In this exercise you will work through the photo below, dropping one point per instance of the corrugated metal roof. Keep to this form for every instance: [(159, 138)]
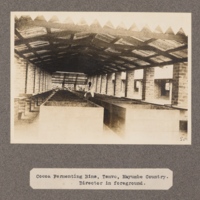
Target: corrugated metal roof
[(92, 49)]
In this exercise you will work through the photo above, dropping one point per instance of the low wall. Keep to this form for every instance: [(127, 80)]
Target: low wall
[(76, 118), (127, 117)]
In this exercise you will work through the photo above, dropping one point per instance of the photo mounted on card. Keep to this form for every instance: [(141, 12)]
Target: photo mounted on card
[(101, 78)]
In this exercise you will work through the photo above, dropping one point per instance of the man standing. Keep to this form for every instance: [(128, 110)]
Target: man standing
[(89, 91)]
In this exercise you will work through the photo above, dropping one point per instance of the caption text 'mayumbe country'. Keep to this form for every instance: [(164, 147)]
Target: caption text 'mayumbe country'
[(89, 176)]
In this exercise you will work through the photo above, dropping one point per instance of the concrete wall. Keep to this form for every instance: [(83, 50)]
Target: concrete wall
[(149, 84), (103, 84), (19, 76), (130, 86), (16, 109), (81, 121), (98, 83), (137, 93), (118, 84), (29, 79), (130, 83), (94, 82), (180, 85), (148, 88), (109, 88), (183, 85)]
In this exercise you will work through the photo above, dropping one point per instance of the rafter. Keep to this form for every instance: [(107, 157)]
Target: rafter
[(92, 49)]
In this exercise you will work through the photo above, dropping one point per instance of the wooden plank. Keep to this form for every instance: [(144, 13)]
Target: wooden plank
[(28, 45)]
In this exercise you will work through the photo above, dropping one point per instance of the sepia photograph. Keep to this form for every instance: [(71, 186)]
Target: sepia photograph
[(101, 78)]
